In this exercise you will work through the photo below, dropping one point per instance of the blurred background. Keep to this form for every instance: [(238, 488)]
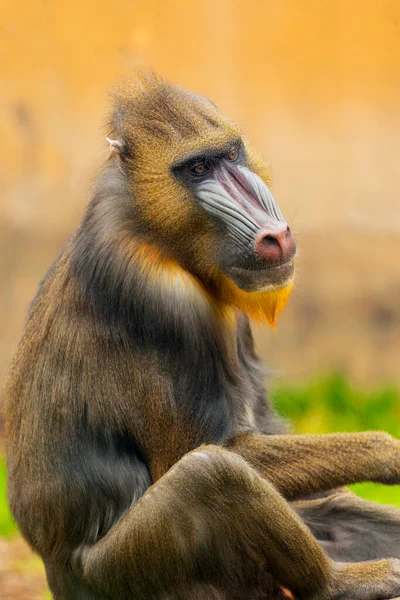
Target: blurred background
[(315, 84)]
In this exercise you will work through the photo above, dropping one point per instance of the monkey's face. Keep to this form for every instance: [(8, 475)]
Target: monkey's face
[(202, 194), (255, 246)]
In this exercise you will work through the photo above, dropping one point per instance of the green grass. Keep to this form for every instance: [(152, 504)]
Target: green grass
[(331, 404), (7, 525), (320, 406)]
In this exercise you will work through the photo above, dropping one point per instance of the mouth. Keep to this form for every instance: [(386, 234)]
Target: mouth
[(263, 277), (265, 269)]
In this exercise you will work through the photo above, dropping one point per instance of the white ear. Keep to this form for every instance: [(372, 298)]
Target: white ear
[(117, 152), (116, 147)]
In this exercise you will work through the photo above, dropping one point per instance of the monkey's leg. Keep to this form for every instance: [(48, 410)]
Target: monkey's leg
[(351, 529), (300, 465), (212, 519)]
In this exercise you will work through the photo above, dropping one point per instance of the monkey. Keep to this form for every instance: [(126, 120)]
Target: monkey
[(145, 460)]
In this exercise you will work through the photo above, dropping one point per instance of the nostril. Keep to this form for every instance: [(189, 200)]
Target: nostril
[(270, 240), (269, 247), (288, 236), (277, 239), (275, 244), (289, 239)]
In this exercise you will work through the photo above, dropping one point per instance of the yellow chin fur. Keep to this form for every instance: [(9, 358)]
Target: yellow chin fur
[(261, 306)]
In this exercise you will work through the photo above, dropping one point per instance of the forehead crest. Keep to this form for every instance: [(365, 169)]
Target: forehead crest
[(151, 108)]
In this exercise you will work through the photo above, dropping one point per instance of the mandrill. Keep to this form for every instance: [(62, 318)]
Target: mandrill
[(145, 462)]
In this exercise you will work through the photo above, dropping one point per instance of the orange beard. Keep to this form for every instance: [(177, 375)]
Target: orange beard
[(261, 306)]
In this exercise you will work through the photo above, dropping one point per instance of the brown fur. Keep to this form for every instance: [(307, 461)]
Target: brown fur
[(144, 459)]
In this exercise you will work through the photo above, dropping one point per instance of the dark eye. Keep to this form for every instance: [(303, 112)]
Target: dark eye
[(233, 154), (199, 169)]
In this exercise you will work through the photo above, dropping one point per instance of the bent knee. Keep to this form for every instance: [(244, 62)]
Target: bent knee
[(210, 465)]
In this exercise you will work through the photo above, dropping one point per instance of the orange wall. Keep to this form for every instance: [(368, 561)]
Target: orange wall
[(315, 83)]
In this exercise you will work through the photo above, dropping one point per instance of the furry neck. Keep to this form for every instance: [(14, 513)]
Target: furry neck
[(136, 286)]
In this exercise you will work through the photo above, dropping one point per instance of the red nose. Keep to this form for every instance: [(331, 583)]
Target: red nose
[(275, 243)]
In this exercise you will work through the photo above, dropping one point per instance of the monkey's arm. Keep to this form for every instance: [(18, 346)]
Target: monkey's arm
[(299, 465), (212, 504)]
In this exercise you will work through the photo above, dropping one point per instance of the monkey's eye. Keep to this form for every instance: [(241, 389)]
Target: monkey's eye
[(233, 154), (199, 169)]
